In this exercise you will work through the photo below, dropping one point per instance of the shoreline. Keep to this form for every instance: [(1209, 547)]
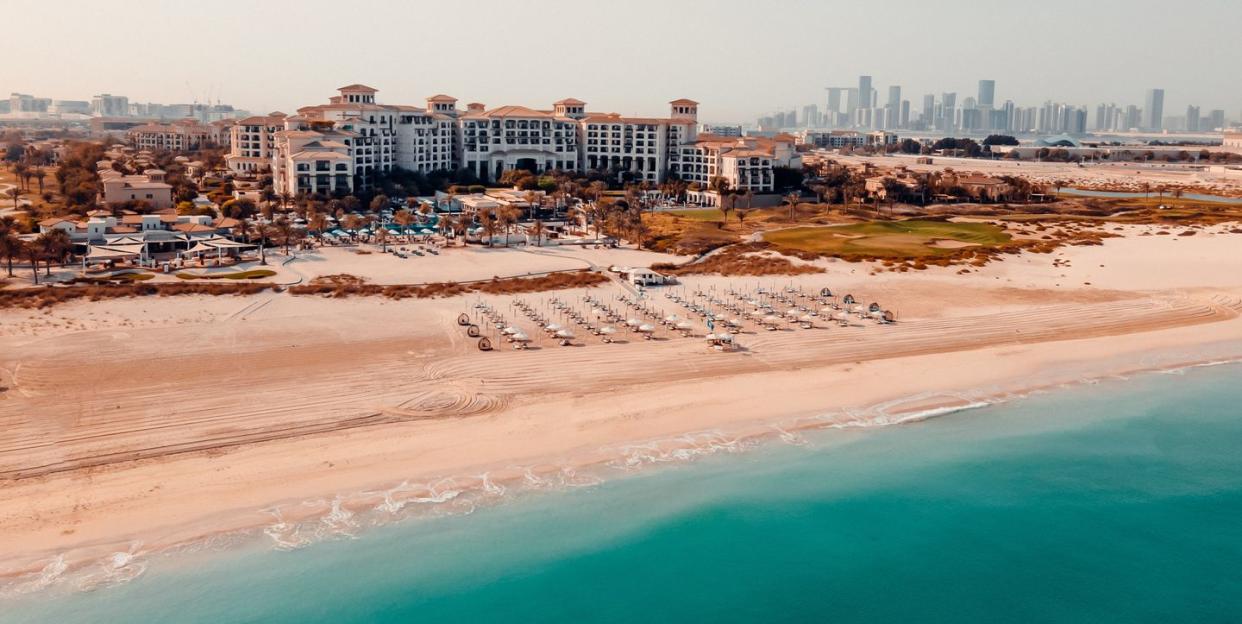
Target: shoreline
[(131, 428), (298, 522)]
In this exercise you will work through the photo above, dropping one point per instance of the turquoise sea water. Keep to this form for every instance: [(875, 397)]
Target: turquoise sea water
[(1116, 502)]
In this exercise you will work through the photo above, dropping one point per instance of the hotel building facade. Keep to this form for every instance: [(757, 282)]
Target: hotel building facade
[(342, 146)]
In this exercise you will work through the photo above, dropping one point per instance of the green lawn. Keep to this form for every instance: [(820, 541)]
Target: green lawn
[(697, 214), (888, 239)]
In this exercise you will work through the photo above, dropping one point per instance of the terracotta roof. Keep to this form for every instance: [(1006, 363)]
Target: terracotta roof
[(316, 155), (684, 102), (53, 221), (193, 227), (512, 111), (441, 98), (571, 102), (358, 87)]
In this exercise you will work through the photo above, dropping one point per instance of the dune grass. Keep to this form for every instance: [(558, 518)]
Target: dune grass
[(239, 275), (888, 239), (116, 278)]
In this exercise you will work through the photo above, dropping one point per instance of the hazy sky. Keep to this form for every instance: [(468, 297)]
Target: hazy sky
[(739, 58)]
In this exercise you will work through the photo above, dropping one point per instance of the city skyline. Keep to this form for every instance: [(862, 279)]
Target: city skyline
[(491, 61)]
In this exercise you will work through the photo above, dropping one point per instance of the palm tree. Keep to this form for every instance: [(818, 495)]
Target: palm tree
[(793, 198), (508, 217), (53, 245), (10, 244), (317, 222), (13, 193), (488, 220), (32, 253), (262, 231), (537, 228), (404, 218), (381, 235), (720, 186), (532, 202), (285, 230), (351, 222), (21, 173)]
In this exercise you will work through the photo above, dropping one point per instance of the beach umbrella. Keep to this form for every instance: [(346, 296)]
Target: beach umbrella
[(564, 333), (553, 327), (684, 325), (672, 318), (520, 337), (709, 337), (510, 330), (806, 318), (608, 330), (842, 316), (771, 320), (646, 328), (633, 322)]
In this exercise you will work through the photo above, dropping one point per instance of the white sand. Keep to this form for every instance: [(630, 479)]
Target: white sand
[(167, 419)]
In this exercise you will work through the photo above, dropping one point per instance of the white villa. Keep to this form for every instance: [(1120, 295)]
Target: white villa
[(339, 146)]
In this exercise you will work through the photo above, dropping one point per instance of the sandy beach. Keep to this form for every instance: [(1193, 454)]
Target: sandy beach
[(151, 422)]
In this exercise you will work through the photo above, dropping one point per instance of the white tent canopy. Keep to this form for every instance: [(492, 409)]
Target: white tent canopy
[(114, 252)]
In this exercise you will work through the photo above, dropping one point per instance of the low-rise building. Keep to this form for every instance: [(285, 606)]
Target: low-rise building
[(148, 187), (837, 139), (180, 136)]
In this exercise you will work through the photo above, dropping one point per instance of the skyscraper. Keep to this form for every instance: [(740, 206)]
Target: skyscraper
[(1192, 118), (929, 111), (834, 99), (987, 93), (1214, 120), (948, 113), (894, 96), (864, 92), (1153, 111)]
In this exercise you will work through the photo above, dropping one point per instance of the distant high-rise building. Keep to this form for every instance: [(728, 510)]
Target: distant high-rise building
[(1153, 110), (23, 103), (851, 101), (107, 105), (1215, 120), (987, 93), (864, 92), (1192, 118), (948, 112), (894, 96), (810, 116), (903, 119), (834, 99)]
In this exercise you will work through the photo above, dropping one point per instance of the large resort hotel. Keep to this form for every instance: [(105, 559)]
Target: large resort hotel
[(335, 147)]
